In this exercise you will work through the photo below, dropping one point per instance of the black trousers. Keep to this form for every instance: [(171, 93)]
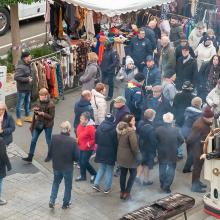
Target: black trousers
[(125, 185)]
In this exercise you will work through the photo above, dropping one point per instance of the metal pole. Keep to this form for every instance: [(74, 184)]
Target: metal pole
[(185, 216)]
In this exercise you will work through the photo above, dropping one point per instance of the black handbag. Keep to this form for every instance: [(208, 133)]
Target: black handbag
[(39, 125)]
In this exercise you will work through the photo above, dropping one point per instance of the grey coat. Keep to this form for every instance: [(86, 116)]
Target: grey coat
[(88, 78)]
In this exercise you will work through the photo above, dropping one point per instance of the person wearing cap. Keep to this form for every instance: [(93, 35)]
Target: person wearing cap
[(183, 43), (191, 114), (205, 51), (213, 99), (157, 102), (140, 48), (126, 73), (63, 153), (186, 68), (176, 30), (23, 78), (208, 76), (200, 130), (106, 153), (152, 73), (169, 88), (134, 95), (44, 113), (210, 33), (168, 139), (196, 35), (167, 57)]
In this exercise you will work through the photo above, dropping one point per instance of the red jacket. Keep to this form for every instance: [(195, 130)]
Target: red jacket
[(86, 137)]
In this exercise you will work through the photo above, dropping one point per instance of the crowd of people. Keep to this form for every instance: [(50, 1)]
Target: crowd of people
[(169, 95)]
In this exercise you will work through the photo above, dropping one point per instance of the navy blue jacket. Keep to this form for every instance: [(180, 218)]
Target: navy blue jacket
[(109, 62), (150, 34), (81, 106), (152, 75), (140, 49), (8, 127), (107, 143), (134, 99), (120, 113)]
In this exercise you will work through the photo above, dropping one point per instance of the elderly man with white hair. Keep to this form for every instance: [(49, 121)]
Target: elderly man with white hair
[(168, 138), (63, 153)]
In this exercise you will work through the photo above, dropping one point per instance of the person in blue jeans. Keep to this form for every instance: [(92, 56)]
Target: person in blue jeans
[(23, 78), (168, 139), (63, 153), (44, 113), (106, 153)]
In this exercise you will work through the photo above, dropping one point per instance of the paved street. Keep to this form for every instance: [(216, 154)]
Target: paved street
[(32, 32), (27, 188)]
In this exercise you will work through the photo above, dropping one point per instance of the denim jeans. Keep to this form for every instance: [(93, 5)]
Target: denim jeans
[(1, 180), (68, 179), (107, 170), (109, 80), (35, 135), (126, 187), (84, 163), (23, 98), (167, 173)]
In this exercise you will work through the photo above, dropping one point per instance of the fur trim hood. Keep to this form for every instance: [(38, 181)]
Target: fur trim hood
[(123, 128)]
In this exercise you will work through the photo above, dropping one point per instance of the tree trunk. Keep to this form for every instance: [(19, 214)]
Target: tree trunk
[(15, 33)]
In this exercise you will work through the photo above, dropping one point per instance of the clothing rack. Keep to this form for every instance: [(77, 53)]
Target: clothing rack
[(48, 55)]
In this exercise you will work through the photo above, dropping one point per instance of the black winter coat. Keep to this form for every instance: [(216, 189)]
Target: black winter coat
[(22, 72), (151, 36), (181, 101), (82, 106), (4, 160), (107, 143), (179, 54), (169, 138), (63, 151), (147, 138), (8, 127), (186, 72)]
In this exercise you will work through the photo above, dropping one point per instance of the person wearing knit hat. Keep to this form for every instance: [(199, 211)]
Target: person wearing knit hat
[(134, 95), (106, 140), (200, 130), (191, 114), (125, 74)]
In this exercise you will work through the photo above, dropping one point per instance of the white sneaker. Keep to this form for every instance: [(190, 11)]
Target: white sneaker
[(3, 202)]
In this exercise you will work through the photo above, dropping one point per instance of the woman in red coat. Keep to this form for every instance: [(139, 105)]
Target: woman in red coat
[(86, 142)]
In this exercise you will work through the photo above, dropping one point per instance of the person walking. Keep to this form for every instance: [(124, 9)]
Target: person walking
[(4, 163), (7, 124), (23, 78), (86, 141), (63, 153), (98, 103), (106, 153), (89, 76), (147, 144), (168, 139), (127, 154), (43, 119), (200, 130)]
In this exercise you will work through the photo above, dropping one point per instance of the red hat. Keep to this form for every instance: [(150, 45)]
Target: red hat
[(207, 112)]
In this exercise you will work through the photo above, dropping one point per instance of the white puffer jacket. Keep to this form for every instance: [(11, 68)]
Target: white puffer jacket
[(213, 99), (99, 106)]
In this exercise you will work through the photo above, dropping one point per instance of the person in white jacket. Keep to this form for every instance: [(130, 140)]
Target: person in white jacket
[(205, 51), (213, 99), (98, 103)]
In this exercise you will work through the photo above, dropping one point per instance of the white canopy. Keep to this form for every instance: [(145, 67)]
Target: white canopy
[(117, 7)]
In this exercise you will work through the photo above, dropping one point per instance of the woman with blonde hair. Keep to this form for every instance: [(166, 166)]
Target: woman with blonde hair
[(88, 79)]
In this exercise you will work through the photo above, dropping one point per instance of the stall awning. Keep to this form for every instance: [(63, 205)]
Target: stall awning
[(117, 7)]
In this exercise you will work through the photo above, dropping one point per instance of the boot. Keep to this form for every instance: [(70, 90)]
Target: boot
[(202, 185), (29, 158), (28, 119), (127, 196), (19, 122)]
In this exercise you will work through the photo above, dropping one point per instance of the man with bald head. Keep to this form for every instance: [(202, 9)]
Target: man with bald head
[(167, 57)]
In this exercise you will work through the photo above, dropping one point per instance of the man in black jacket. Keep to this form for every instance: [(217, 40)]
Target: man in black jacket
[(63, 153), (23, 77)]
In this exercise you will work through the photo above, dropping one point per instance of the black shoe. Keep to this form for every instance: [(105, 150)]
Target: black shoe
[(148, 183), (47, 159), (198, 189), (97, 188), (187, 171), (202, 185), (66, 206), (108, 98), (28, 159), (79, 179), (107, 191), (51, 205), (92, 178)]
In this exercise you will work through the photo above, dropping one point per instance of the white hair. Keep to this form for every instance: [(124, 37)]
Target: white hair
[(65, 127), (168, 117)]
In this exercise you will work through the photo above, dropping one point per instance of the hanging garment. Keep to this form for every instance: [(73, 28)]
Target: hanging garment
[(34, 92), (52, 21), (54, 86), (41, 75), (59, 79), (102, 39), (60, 27), (89, 25), (120, 47)]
